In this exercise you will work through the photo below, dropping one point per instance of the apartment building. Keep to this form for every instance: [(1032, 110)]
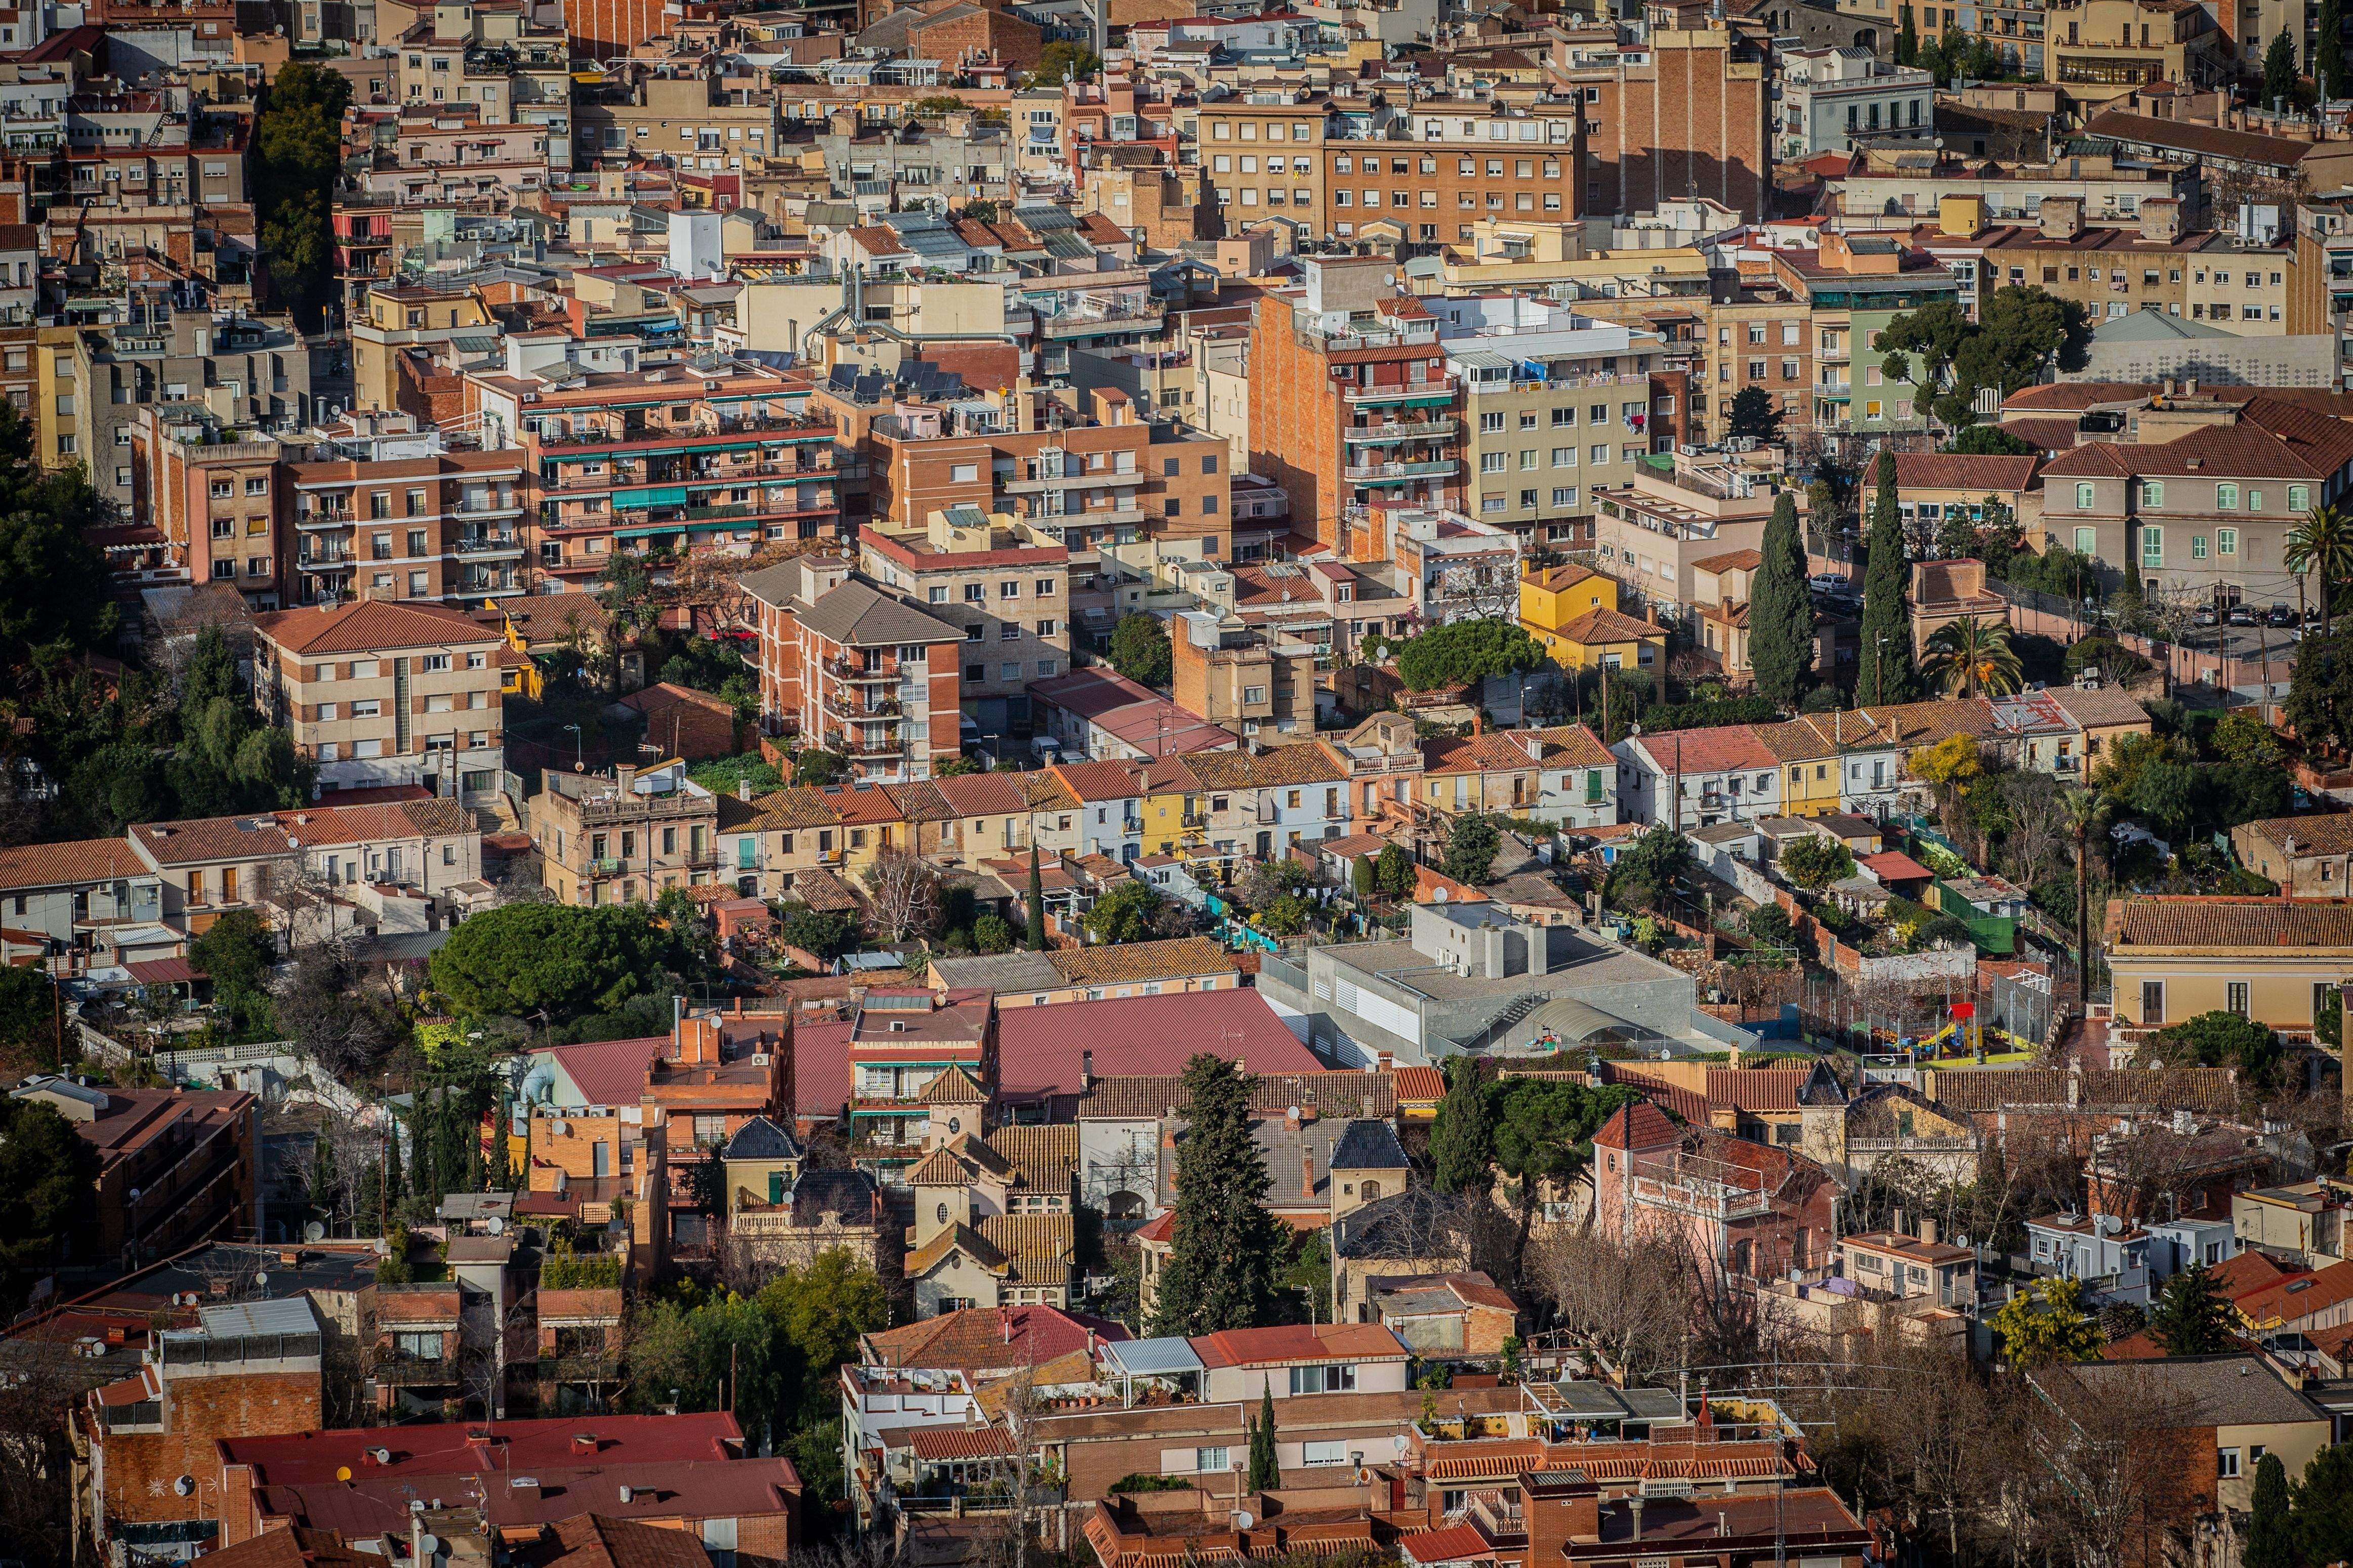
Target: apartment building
[(2102, 50), (377, 692), (1242, 677), (396, 512), (1557, 410), (96, 383), (625, 837), (858, 671), (395, 317), (705, 117), (1344, 359), (1852, 288), (1652, 536), (1833, 98), (1006, 583), (680, 458), (1689, 115), (2196, 500), (211, 488), (2218, 278)]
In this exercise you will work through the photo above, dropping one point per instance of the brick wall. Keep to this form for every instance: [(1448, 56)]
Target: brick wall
[(139, 1468)]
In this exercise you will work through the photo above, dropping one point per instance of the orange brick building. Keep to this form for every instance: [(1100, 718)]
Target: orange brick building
[(1692, 118), (1350, 402)]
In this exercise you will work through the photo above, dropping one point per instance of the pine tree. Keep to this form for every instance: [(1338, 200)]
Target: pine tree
[(2279, 72), (2192, 1317), (1265, 1473), (1229, 1248), (1883, 663), (1461, 1143), (1781, 611), (1037, 904), (2271, 1538)]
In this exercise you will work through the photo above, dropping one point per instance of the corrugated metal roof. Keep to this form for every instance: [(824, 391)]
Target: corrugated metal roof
[(292, 1316)]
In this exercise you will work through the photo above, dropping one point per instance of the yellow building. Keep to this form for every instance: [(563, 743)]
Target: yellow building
[(2276, 962), (1572, 614), (1811, 771), (397, 318), (1552, 597)]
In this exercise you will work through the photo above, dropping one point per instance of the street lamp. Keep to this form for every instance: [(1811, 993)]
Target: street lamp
[(579, 758)]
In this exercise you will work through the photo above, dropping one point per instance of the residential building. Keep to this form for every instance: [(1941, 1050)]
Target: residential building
[(860, 671), (2221, 1409), (2221, 279), (1853, 287), (1563, 775), (1241, 678), (904, 1055), (1004, 582), (2197, 501), (1653, 537), (211, 488), (1833, 98), (1735, 1207), (243, 1367), (1688, 114), (395, 319), (1340, 357), (79, 905), (1906, 1265), (379, 692), (1097, 713), (2278, 962), (2306, 857), (2102, 50), (626, 838), (1698, 778), (395, 513), (176, 1168), (706, 1086), (1556, 411)]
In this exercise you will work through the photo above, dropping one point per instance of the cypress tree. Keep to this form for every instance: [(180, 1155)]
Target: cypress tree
[(1461, 1141), (1037, 903), (1883, 663), (1908, 41), (1229, 1248), (2271, 1539), (1781, 612), (2279, 70), (1265, 1473), (2328, 52)]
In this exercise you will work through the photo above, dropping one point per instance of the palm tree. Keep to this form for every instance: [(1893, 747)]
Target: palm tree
[(2322, 544), (2083, 811), (1970, 658)]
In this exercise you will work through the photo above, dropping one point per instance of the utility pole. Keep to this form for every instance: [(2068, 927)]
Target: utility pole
[(1679, 782)]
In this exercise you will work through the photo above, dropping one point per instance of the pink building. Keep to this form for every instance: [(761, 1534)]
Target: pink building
[(1741, 1208)]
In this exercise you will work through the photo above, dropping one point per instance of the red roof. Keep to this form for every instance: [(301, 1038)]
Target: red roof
[(2299, 1296), (1894, 865), (165, 972), (1456, 1543), (1039, 1050), (979, 1338), (2248, 1273), (1726, 748), (1298, 1343), (820, 1074), (609, 1072), (428, 1451), (1642, 1126), (1420, 1084)]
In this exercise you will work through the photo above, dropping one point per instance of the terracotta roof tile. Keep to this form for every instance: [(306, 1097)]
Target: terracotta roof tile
[(74, 860), (1178, 958), (2229, 923), (370, 625), (1963, 471)]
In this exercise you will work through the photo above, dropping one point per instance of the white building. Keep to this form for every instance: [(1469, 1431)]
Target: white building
[(1832, 98)]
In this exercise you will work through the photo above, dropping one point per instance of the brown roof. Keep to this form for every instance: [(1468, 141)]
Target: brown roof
[(2187, 136), (1731, 561), (1178, 958), (1601, 626), (2270, 439), (2328, 833), (799, 806), (213, 838), (370, 625), (74, 860), (594, 1540), (1143, 1096), (1044, 1157), (1963, 471), (2229, 923), (983, 794)]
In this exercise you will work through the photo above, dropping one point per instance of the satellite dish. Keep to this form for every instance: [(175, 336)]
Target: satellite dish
[(497, 1226), (1242, 1519), (383, 1456), (428, 1546), (183, 1486), (261, 1277), (134, 1194), (314, 1231)]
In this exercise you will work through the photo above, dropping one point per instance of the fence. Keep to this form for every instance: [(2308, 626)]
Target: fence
[(2049, 615)]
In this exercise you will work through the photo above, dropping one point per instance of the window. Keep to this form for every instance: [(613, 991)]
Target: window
[(2084, 497), (2226, 541), (1324, 1453), (2299, 498), (1323, 1378), (2087, 541), (2226, 1463), (2226, 498), (1215, 1459), (2152, 546), (2235, 998), (2152, 492), (2152, 1001), (963, 473)]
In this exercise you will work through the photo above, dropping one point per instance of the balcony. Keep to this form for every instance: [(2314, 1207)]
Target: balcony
[(1399, 473), (322, 520), (1095, 325), (490, 544), (403, 1372), (1070, 481), (1439, 391), (1401, 430), (876, 748), (843, 670)]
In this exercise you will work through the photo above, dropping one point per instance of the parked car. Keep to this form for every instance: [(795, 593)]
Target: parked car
[(2283, 615), (1827, 583), (2242, 616), (2205, 617)]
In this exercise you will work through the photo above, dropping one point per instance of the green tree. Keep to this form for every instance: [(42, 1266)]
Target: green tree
[(1064, 61), (1122, 914), (1037, 904), (815, 767), (2321, 1506), (1990, 441), (30, 1007), (1907, 41), (1543, 1131), (1884, 659), (1461, 1140), (2192, 1317), (522, 958), (823, 935), (1265, 1473), (2321, 545), (1646, 871), (1471, 840), (1228, 1247), (2218, 1039), (992, 933), (2320, 691), (2328, 52), (1754, 415), (1461, 652), (1972, 658), (1815, 862), (54, 585), (236, 951), (817, 1310), (2021, 328), (47, 1171), (2279, 88), (2046, 1325), (297, 152), (1782, 610), (718, 1353), (1360, 877), (2270, 1536), (2241, 737), (1139, 649), (1285, 914), (1393, 872)]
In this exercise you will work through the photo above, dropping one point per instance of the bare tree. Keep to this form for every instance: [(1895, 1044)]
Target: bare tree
[(1627, 1305), (905, 893), (335, 1017), (2110, 1465), (1934, 1437), (37, 1467)]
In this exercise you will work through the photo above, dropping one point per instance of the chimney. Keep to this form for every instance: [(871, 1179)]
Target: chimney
[(1929, 1230), (1086, 1068), (1535, 748), (1634, 1512), (1306, 1173), (584, 1442), (1478, 725), (743, 788)]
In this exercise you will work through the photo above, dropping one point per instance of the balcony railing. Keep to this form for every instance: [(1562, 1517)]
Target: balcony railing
[(1401, 430), (1388, 473), (405, 1372), (1405, 392), (843, 670)]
